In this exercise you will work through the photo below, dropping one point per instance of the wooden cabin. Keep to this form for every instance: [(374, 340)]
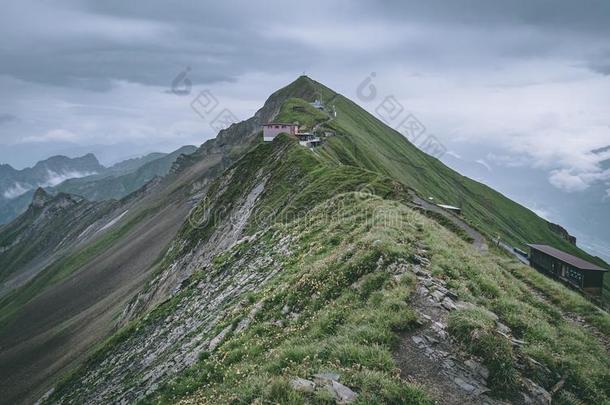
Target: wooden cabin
[(571, 269)]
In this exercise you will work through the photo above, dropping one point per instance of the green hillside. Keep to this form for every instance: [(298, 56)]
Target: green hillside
[(363, 140), (306, 275), (327, 281)]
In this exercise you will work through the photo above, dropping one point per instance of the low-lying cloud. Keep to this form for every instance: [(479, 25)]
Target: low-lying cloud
[(54, 178), (15, 191)]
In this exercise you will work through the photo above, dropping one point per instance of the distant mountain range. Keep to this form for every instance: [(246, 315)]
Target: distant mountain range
[(47, 173), (83, 176)]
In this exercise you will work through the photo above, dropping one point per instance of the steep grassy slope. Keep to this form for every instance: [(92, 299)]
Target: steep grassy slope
[(321, 279), (363, 140)]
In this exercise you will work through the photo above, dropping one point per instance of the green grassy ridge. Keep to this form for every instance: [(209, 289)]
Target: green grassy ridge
[(351, 309), (336, 330), (286, 161), (365, 141), (344, 329), (296, 180)]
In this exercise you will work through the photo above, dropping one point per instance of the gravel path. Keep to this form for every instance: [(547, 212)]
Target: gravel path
[(428, 356), (479, 241)]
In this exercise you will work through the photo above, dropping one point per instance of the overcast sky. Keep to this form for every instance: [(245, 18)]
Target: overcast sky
[(519, 83)]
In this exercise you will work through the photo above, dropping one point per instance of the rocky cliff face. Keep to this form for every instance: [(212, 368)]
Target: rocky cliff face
[(40, 198), (563, 233), (49, 226)]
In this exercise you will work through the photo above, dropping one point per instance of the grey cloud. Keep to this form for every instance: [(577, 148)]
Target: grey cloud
[(81, 51), (591, 16), (4, 118), (224, 40), (218, 43), (601, 65), (566, 29)]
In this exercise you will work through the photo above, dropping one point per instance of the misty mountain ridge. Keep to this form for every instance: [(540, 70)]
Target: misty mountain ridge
[(83, 176), (46, 173)]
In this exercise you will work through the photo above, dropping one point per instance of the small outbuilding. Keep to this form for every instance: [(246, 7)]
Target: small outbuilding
[(564, 266), (318, 104), (451, 208), (309, 140)]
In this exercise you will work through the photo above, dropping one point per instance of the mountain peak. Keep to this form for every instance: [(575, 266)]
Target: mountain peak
[(305, 88), (5, 168), (41, 198), (60, 163)]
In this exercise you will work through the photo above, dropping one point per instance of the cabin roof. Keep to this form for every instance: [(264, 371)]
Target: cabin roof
[(279, 123), (449, 207), (567, 258)]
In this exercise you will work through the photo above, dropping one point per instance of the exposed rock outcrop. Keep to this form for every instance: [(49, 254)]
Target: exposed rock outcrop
[(561, 231), (326, 381)]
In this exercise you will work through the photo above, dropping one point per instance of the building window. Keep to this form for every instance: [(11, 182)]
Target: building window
[(575, 276)]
